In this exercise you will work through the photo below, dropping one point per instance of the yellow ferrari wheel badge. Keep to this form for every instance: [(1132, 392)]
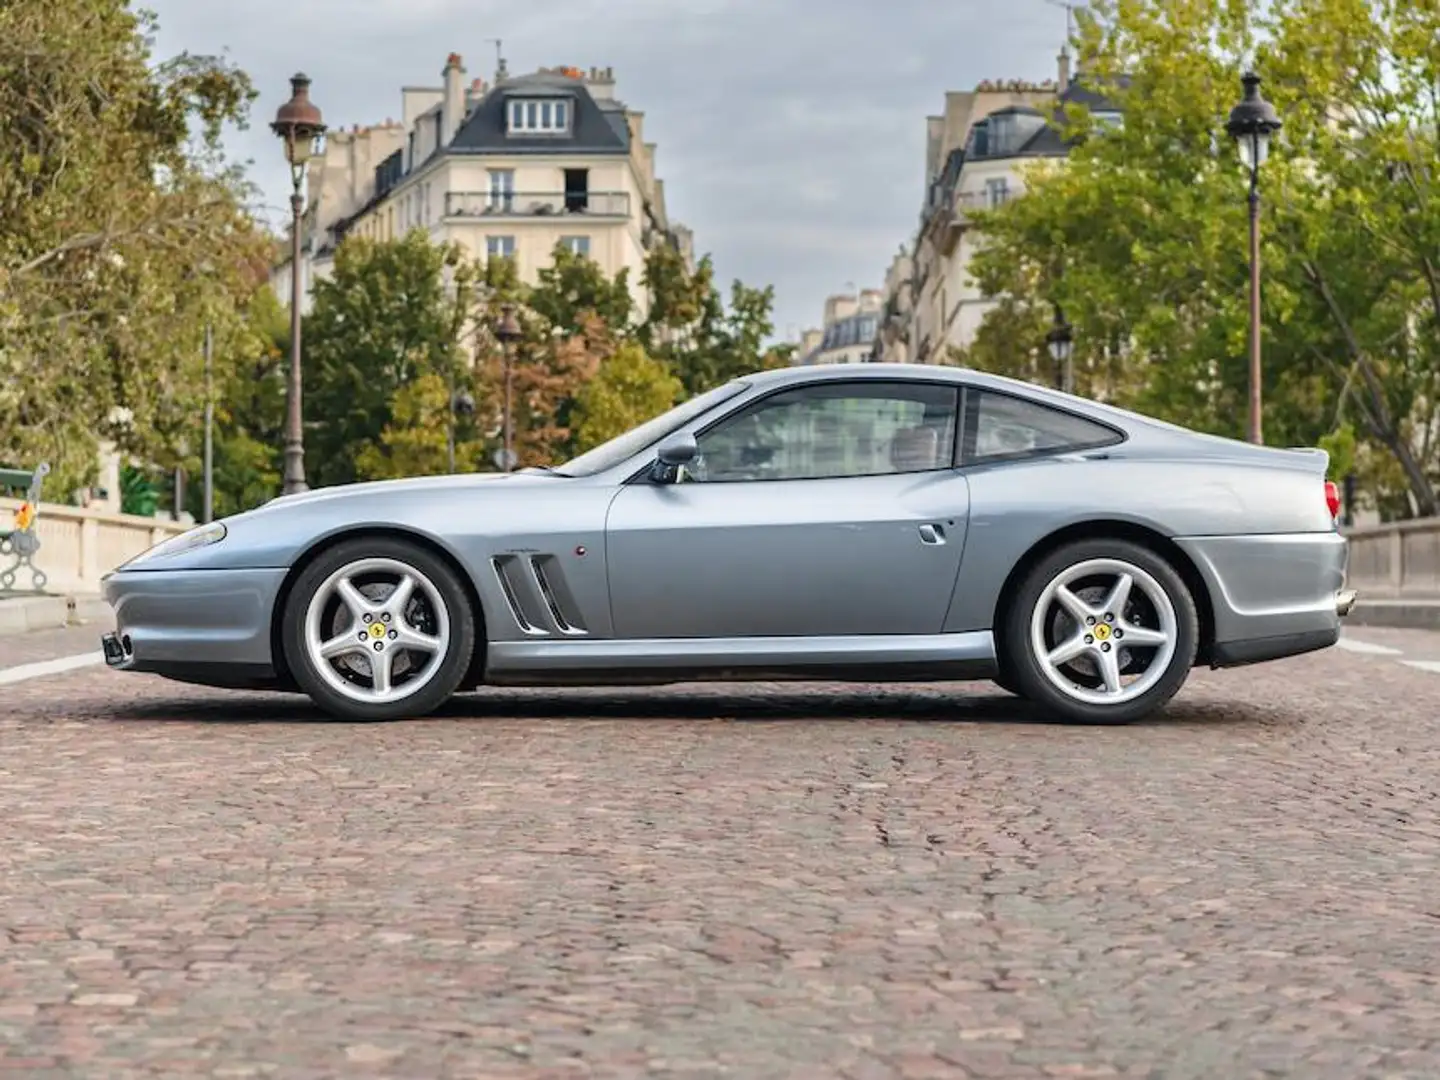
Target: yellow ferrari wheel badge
[(1102, 632), (376, 630)]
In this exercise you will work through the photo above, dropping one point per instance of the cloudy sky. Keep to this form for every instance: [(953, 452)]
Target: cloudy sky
[(790, 132)]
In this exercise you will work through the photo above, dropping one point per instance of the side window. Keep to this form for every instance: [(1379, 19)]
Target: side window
[(1001, 426), (831, 430)]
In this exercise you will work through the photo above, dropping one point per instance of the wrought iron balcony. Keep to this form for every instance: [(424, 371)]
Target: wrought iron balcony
[(512, 204)]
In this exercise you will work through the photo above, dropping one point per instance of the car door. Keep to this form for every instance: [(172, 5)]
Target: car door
[(825, 509)]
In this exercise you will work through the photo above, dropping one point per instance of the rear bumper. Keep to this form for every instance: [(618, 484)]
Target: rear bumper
[(1272, 595), (203, 626)]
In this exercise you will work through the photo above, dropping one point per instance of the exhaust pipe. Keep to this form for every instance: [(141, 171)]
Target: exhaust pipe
[(1344, 601)]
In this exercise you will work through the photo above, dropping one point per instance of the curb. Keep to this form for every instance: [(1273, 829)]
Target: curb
[(1396, 614), (26, 614)]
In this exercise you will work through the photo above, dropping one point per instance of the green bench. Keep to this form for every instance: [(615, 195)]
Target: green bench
[(19, 541)]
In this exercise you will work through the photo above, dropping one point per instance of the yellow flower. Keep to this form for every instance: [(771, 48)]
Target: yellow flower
[(24, 516)]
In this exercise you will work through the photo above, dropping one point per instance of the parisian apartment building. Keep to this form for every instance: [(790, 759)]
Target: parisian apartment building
[(847, 332), (978, 152), (509, 168)]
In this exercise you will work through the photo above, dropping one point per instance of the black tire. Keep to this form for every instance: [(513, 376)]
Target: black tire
[(1005, 679), (1028, 670), (450, 670)]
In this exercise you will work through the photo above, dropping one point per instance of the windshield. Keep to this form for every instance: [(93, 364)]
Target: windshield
[(608, 455)]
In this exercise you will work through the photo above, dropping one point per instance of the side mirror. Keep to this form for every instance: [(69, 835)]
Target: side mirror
[(673, 452), (679, 449)]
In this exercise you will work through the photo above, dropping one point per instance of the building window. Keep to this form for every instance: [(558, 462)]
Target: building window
[(502, 247), (996, 191), (578, 245), (502, 190), (539, 117)]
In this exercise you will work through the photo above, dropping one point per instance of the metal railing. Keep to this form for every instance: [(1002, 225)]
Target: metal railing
[(537, 204)]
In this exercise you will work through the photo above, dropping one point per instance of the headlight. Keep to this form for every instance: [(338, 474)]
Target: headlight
[(198, 537)]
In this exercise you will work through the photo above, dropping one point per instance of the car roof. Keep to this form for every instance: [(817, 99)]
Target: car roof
[(802, 374)]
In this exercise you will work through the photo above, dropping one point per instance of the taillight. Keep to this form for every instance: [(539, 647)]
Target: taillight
[(1332, 498)]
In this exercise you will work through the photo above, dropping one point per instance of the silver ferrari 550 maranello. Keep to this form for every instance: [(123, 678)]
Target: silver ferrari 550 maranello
[(855, 522)]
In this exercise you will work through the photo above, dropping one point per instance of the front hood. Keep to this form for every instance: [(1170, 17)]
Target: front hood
[(460, 482), (381, 490)]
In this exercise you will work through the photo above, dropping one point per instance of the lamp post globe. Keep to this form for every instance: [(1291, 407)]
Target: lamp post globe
[(1060, 340), (299, 125), (1252, 124)]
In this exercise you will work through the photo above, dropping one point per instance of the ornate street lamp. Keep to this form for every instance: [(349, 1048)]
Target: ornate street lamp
[(1252, 124), (1060, 340), (299, 126), (508, 332)]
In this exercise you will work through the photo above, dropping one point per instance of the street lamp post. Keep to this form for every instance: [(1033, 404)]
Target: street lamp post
[(507, 331), (1060, 340), (298, 123), (1252, 123), (208, 510)]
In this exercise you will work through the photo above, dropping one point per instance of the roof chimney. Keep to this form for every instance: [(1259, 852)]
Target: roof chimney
[(452, 105), (1064, 83)]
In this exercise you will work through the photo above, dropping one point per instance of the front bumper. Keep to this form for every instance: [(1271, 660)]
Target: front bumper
[(208, 626)]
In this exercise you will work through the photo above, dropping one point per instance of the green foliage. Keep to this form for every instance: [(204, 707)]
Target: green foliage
[(630, 388), (1141, 235), (414, 442), (137, 494), (574, 286), (121, 233), (382, 320)]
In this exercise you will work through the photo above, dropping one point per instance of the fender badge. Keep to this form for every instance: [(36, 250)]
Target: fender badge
[(580, 549)]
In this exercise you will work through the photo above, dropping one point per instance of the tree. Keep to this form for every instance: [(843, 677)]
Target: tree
[(121, 232), (1349, 227), (574, 285), (690, 328), (629, 388), (414, 442), (547, 371), (383, 319)]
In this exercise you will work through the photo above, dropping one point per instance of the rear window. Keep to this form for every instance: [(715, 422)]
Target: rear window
[(1001, 426)]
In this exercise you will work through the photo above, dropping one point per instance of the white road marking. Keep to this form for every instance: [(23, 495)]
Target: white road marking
[(49, 667), (1424, 665), (1351, 645)]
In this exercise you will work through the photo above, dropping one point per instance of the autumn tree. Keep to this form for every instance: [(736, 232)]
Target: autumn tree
[(122, 234)]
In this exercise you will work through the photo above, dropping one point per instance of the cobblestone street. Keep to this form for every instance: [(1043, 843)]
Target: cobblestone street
[(743, 881)]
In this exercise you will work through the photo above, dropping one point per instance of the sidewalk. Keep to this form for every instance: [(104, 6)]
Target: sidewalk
[(23, 614)]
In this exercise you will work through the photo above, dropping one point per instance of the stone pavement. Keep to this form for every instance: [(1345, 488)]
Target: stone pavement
[(749, 881)]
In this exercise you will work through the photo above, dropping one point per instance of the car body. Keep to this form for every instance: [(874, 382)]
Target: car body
[(860, 522)]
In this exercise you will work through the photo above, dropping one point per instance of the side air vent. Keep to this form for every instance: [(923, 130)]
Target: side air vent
[(538, 595), (550, 579), (513, 585)]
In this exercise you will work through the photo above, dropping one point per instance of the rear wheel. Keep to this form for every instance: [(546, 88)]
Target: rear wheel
[(1102, 631), (377, 629)]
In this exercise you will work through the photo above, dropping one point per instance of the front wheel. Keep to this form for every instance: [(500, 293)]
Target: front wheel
[(377, 629), (1102, 631)]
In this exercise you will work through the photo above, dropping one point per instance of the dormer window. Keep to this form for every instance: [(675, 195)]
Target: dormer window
[(545, 116)]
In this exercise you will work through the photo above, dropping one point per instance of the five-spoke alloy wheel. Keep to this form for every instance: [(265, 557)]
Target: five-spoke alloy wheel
[(376, 629), (1102, 631)]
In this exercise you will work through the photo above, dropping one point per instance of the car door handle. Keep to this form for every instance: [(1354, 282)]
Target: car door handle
[(932, 534)]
